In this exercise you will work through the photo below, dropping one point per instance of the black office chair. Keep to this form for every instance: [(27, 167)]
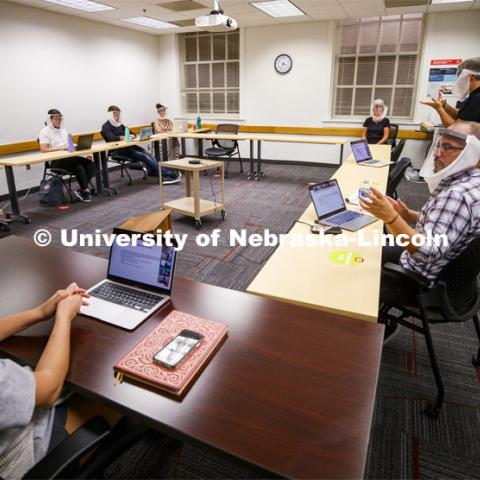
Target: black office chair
[(397, 151), (126, 164), (66, 177), (392, 137), (95, 436), (225, 148), (455, 298), (395, 176)]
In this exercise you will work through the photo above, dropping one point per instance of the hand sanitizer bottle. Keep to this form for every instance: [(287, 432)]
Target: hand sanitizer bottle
[(199, 123), (127, 135), (364, 189)]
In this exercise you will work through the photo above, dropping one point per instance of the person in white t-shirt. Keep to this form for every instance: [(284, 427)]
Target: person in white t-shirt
[(53, 137)]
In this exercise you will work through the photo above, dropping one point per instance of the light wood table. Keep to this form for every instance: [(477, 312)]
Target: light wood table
[(340, 279), (193, 206), (259, 138)]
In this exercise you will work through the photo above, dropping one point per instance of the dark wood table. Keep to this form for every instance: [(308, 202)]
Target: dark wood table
[(291, 390)]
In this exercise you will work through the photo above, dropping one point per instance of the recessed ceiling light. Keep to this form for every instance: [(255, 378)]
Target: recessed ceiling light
[(438, 2), (278, 8), (149, 22), (85, 5)]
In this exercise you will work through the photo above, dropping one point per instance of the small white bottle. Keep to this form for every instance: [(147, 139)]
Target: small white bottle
[(364, 189)]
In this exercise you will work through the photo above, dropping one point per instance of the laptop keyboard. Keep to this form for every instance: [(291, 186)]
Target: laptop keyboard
[(344, 217), (127, 297)]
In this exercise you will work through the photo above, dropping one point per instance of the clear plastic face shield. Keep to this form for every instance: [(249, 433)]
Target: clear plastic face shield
[(378, 110), (116, 117), (462, 85), (451, 152), (55, 120)]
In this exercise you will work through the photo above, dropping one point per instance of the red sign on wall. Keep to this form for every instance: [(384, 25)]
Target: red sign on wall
[(454, 61)]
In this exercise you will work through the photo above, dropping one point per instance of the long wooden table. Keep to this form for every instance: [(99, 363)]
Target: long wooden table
[(259, 138), (98, 151), (342, 280), (291, 390)]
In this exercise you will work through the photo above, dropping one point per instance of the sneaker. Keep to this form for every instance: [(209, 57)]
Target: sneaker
[(83, 196), (413, 175), (175, 177)]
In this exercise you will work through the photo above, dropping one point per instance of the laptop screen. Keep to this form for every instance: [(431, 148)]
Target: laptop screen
[(361, 151), (143, 265), (327, 198)]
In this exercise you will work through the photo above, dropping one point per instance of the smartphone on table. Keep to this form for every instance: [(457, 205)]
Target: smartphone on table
[(176, 351)]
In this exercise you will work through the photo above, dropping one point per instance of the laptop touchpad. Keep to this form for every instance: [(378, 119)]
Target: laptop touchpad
[(102, 309)]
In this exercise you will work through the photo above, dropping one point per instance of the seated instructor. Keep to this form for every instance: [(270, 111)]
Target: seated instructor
[(376, 128), (30, 425), (53, 137), (467, 90), (113, 130), (453, 209)]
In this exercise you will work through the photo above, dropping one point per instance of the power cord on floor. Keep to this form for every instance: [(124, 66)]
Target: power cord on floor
[(20, 200)]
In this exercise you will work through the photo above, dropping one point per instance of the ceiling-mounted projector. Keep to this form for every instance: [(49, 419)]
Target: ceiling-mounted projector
[(216, 21)]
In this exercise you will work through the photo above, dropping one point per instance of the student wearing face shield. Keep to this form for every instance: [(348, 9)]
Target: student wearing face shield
[(113, 130), (163, 124), (53, 137), (452, 209), (376, 128), (467, 90)]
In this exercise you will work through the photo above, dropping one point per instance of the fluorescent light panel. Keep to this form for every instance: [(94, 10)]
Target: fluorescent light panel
[(149, 22), (439, 2), (85, 5), (278, 8)]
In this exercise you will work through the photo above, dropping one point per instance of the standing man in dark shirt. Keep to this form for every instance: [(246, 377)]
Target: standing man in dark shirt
[(467, 90), (376, 128)]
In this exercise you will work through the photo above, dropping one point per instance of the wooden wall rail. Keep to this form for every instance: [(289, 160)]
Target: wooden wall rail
[(31, 145)]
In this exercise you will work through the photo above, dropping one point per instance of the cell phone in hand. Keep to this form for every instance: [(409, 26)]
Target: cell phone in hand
[(177, 350)]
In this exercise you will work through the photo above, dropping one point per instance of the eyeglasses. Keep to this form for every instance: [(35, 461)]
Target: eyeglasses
[(447, 148)]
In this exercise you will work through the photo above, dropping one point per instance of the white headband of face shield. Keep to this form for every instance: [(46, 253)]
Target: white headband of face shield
[(468, 159), (380, 117), (462, 85)]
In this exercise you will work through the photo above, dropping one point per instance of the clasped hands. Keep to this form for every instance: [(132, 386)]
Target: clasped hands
[(67, 302)]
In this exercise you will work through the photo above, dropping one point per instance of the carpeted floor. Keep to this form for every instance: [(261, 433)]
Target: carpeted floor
[(404, 443)]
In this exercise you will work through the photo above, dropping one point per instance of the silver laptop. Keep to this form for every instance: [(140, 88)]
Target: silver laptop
[(145, 133), (139, 281), (180, 126), (331, 210), (363, 156)]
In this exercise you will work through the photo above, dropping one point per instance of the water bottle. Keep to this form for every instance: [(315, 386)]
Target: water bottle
[(127, 135), (364, 189), (70, 144), (199, 123)]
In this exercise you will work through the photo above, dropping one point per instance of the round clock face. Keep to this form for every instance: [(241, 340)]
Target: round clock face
[(283, 63)]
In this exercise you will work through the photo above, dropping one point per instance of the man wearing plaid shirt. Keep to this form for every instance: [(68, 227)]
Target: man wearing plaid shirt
[(453, 209)]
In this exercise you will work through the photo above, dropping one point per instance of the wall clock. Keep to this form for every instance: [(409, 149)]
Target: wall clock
[(283, 63)]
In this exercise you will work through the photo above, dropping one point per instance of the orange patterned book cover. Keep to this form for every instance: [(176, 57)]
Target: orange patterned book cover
[(138, 364)]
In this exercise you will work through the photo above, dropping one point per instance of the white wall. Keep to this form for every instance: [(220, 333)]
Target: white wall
[(81, 67)]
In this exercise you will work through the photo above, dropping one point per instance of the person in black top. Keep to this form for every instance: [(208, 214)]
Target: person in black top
[(467, 90), (113, 130), (376, 128)]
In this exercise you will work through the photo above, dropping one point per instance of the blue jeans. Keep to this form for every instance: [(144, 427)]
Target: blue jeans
[(138, 154)]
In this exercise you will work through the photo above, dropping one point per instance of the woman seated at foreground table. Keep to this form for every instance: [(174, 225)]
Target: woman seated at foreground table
[(376, 128), (33, 418)]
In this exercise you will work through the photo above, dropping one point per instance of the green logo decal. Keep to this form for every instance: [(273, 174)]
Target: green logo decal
[(344, 257)]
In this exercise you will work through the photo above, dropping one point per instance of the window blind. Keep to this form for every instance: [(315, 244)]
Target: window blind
[(377, 57), (210, 72)]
